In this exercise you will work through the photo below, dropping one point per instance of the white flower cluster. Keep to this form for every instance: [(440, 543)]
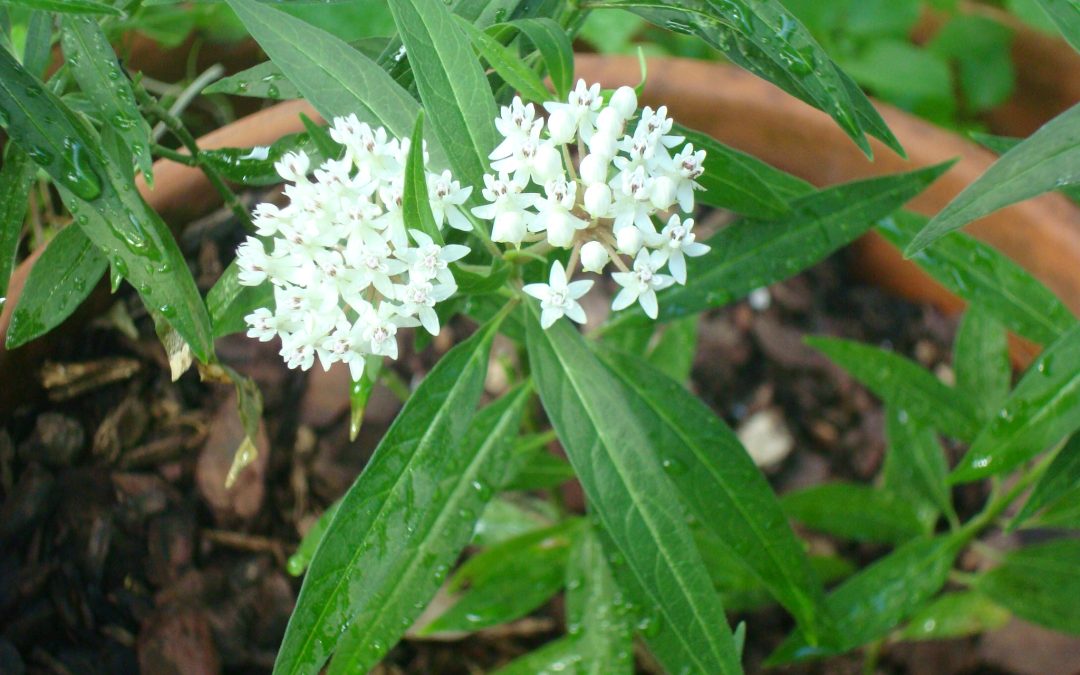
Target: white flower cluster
[(345, 271), (603, 208)]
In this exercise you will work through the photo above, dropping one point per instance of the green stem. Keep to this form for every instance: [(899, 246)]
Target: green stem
[(397, 386), (173, 155), (176, 127), (999, 502)]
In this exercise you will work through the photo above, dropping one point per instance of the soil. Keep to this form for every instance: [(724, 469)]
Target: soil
[(121, 552)]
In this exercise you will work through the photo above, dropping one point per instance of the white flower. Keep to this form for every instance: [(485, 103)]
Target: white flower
[(624, 100), (594, 257), (642, 283), (679, 242), (553, 214), (507, 207), (582, 107), (446, 195), (517, 123), (598, 200), (559, 298), (531, 158), (346, 276), (689, 166)]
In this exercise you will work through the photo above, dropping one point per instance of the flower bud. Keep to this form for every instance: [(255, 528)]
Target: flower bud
[(624, 100), (594, 257), (598, 200), (593, 169), (547, 163), (561, 126), (509, 227), (663, 192), (629, 240), (560, 230), (610, 122), (604, 144)]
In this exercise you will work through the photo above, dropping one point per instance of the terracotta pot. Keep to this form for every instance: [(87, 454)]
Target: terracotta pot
[(739, 109)]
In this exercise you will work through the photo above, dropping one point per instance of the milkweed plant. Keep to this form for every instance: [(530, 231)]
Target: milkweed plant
[(456, 172)]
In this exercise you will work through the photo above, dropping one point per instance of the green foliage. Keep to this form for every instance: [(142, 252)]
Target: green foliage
[(955, 615), (856, 512), (1038, 583), (16, 177)]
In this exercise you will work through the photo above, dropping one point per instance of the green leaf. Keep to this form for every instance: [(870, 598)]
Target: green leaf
[(415, 205), (1043, 409), (460, 107), (904, 385), (999, 145), (1066, 15), (596, 612), (985, 277), (506, 517), (327, 146), (228, 302), (400, 526), (755, 253), (67, 6), (674, 352), (915, 465), (852, 511), (562, 655), (627, 488), (871, 603), (59, 281), (766, 39), (981, 361), (298, 562), (335, 78), (37, 52), (1039, 583), (16, 176), (104, 203), (1049, 159), (720, 485), (506, 63), (981, 49), (539, 470), (264, 80), (1062, 514), (1062, 478), (740, 182), (255, 166), (955, 615), (899, 71), (551, 40), (93, 63), (508, 580)]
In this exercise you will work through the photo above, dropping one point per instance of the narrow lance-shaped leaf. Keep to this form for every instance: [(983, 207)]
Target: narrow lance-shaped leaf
[(554, 45), (721, 486), (104, 204), (853, 511), (628, 489), (359, 394), (1049, 159), (674, 351), (1062, 478), (955, 615), (412, 573), (94, 66), (382, 534), (903, 384), (1066, 14), (1001, 144), (562, 655), (754, 253), (508, 580), (506, 63), (1039, 583), (415, 205), (981, 361), (915, 465), (871, 603), (985, 277), (68, 6), (766, 39), (740, 182), (255, 166), (335, 78), (16, 177), (455, 93), (596, 611), (298, 562), (1042, 410), (59, 281)]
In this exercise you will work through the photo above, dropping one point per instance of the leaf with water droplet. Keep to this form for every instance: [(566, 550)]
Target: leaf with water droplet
[(59, 281), (593, 605), (16, 176), (95, 67)]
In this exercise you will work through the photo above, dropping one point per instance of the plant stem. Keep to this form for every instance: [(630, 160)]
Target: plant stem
[(176, 127), (397, 386)]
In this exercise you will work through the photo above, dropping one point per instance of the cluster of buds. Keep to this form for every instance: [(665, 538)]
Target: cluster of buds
[(628, 195), (347, 274)]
